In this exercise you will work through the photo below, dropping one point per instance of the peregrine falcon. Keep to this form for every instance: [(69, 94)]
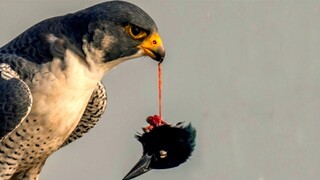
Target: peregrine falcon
[(50, 89)]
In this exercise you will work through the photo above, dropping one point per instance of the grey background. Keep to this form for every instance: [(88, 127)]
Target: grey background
[(245, 73)]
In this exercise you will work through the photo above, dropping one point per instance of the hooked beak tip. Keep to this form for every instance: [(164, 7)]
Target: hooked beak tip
[(160, 54), (160, 60), (157, 55)]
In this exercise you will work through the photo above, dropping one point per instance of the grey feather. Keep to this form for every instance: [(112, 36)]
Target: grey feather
[(15, 100)]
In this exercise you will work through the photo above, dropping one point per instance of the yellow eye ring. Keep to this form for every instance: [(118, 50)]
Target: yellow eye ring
[(135, 32)]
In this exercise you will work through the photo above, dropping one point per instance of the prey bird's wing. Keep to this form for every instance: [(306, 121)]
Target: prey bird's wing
[(15, 96), (94, 110)]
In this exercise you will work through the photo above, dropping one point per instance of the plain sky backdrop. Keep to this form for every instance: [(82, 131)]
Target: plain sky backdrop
[(246, 73)]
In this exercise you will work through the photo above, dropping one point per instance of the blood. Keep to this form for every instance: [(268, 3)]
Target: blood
[(160, 89), (156, 120)]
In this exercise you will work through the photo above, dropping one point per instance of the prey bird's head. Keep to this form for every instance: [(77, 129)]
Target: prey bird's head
[(164, 147), (117, 30)]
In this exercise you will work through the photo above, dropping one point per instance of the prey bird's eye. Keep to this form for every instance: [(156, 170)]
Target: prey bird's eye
[(136, 32), (163, 154)]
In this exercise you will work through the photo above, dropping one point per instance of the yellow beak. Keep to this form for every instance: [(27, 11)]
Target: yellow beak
[(153, 47)]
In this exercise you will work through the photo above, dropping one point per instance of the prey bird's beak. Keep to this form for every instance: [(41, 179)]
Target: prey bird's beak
[(153, 47), (142, 166)]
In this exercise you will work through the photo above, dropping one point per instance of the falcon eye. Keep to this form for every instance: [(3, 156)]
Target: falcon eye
[(135, 32)]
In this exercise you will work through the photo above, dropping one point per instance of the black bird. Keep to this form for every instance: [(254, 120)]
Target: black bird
[(164, 147)]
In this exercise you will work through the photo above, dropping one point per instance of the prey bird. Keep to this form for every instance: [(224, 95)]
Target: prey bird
[(164, 146), (50, 79)]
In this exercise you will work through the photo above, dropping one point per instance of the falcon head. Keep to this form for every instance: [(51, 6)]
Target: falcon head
[(164, 147), (116, 31)]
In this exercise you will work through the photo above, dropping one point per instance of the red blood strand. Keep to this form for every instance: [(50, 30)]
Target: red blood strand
[(160, 90), (156, 120)]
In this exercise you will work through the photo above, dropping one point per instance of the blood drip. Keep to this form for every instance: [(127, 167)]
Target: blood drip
[(157, 120), (160, 89)]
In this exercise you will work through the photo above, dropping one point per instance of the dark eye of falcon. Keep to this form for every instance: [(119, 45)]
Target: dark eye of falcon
[(136, 32)]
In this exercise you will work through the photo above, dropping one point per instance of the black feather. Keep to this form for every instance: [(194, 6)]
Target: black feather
[(177, 141)]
